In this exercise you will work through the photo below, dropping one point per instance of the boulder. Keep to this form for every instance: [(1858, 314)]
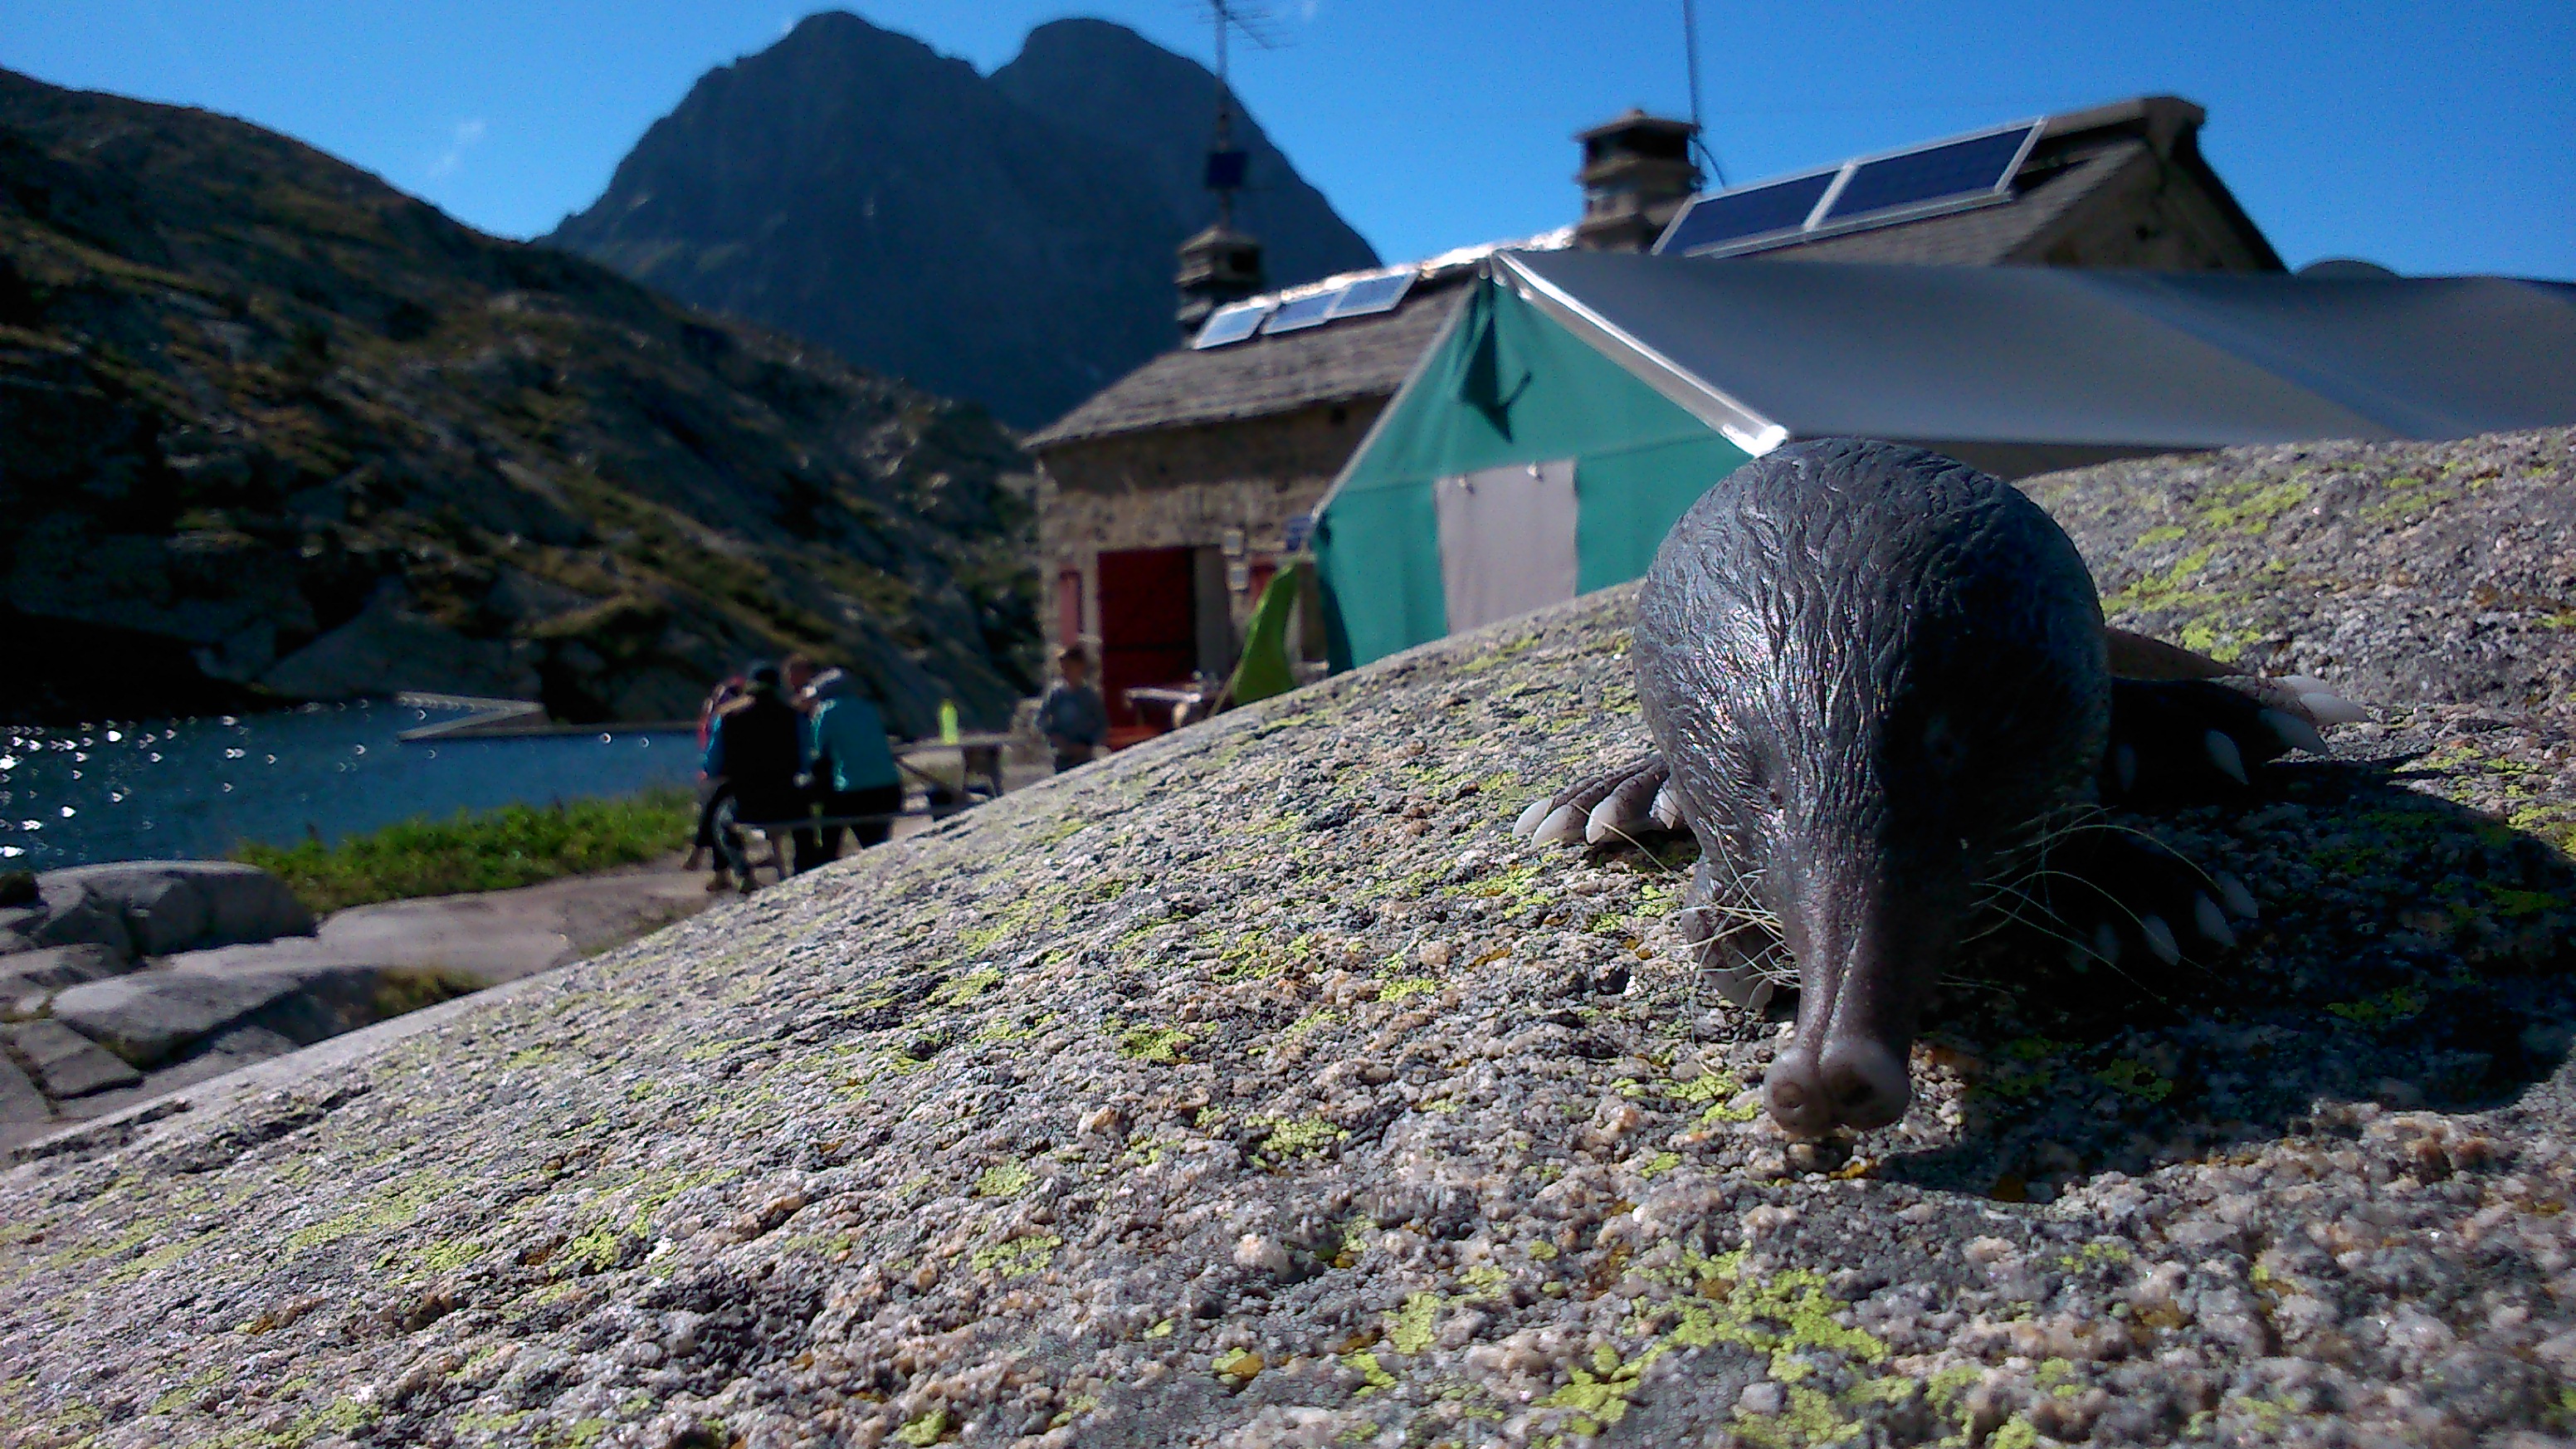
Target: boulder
[(187, 905), (72, 916), (66, 1063), (19, 1099), (151, 1016), (51, 968), (27, 978)]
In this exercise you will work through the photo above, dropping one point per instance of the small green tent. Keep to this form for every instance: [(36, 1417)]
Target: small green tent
[(1518, 467)]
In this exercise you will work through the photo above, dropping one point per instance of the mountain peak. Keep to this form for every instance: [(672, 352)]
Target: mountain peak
[(1008, 238)]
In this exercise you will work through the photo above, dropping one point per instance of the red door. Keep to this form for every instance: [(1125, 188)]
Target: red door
[(1148, 624)]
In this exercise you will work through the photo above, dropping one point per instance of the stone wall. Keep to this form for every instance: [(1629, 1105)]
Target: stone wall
[(1230, 489), (2154, 214)]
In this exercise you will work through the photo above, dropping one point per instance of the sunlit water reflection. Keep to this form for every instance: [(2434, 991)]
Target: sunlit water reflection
[(177, 789)]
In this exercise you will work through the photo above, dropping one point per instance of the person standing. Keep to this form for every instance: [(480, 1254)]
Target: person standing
[(854, 770), (1071, 716), (758, 747), (713, 792)]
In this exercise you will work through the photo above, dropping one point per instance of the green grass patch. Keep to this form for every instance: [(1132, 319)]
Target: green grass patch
[(489, 850)]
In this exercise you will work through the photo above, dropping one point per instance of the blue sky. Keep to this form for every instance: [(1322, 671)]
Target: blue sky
[(2431, 138)]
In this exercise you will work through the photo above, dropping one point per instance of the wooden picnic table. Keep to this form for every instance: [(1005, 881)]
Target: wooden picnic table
[(979, 753)]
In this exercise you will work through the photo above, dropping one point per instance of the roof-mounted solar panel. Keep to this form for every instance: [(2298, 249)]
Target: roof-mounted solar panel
[(1372, 294), (1231, 324), (1972, 166), (1732, 217), (1867, 191), (1306, 311)]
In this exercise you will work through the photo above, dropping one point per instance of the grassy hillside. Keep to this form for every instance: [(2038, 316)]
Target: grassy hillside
[(271, 430)]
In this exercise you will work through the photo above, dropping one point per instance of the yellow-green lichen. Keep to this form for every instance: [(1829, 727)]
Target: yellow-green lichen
[(927, 1428), (1364, 1363), (2135, 1079), (1005, 1179), (1408, 1329), (1017, 1256), (965, 989), (2388, 1008), (397, 1207), (1159, 1045), (1305, 1137)]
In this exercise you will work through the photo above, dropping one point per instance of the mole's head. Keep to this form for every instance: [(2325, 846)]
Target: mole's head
[(1875, 673)]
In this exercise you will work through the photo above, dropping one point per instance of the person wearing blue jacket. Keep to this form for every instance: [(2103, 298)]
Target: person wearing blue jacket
[(854, 770)]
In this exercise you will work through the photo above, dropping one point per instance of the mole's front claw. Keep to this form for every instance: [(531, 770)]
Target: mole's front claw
[(2190, 739), (2130, 891), (1631, 800)]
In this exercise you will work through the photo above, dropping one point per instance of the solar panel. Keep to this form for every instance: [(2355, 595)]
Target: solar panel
[(1231, 324), (1734, 216), (1306, 311), (1372, 294), (1969, 167)]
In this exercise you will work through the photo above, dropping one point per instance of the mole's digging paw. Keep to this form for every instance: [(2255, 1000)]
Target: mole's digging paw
[(1634, 800), (2175, 740), (2128, 898)]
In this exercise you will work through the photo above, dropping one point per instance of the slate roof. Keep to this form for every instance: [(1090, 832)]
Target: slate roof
[(1988, 236), (2080, 154), (1364, 357)]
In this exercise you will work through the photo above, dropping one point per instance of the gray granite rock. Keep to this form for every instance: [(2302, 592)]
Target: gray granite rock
[(51, 968), (150, 1016), (66, 1063), (1257, 1087), (72, 916), (19, 1099), (189, 905)]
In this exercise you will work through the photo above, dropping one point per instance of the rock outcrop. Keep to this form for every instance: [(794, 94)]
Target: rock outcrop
[(193, 968), (271, 430), (1256, 1086), (1008, 239)]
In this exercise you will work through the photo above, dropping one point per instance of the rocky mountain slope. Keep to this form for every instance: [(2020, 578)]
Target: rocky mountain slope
[(271, 430), (1008, 239), (1257, 1087)]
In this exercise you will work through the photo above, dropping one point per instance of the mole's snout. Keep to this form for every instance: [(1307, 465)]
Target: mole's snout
[(1854, 1082)]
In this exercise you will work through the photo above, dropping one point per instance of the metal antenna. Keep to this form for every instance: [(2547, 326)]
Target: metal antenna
[(1225, 164), (1690, 58)]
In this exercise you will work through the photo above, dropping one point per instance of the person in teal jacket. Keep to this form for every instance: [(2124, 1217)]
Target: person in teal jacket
[(854, 770)]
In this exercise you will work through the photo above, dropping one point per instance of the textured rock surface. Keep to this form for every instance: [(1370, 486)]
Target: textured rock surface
[(1255, 1087), (274, 430), (2410, 573), (20, 1101), (65, 1063), (50, 968)]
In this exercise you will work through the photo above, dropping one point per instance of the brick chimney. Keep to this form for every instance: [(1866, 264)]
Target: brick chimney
[(1637, 171), (1218, 266)]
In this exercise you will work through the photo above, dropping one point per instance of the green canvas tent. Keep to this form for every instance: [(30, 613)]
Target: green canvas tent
[(1518, 467), (1580, 401)]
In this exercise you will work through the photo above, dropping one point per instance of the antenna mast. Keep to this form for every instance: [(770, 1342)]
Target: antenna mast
[(1690, 58), (1226, 162)]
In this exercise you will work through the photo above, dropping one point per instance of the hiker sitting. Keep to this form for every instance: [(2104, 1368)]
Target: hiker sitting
[(854, 771), (758, 748)]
